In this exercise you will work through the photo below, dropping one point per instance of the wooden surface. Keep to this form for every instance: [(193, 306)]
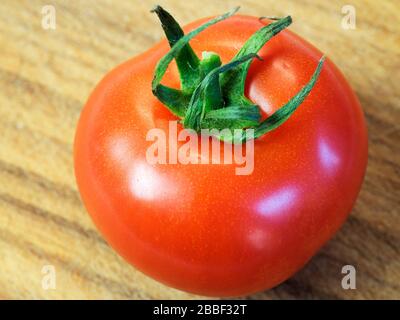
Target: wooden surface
[(45, 78)]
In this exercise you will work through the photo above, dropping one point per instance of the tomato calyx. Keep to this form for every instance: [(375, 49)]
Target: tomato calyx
[(212, 95)]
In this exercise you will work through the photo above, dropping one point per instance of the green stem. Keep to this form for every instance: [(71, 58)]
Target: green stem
[(234, 80), (283, 113), (196, 111), (212, 95), (174, 99), (187, 61)]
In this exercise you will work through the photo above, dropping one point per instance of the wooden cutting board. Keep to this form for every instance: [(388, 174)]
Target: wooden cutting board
[(46, 76)]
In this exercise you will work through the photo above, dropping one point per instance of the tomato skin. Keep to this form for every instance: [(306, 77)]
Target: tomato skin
[(201, 228)]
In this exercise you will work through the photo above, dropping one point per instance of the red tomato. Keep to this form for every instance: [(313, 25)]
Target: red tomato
[(201, 228)]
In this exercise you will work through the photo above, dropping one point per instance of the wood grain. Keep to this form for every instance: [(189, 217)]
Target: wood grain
[(45, 78)]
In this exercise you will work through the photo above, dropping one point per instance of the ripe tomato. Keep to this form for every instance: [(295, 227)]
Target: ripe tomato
[(201, 228)]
